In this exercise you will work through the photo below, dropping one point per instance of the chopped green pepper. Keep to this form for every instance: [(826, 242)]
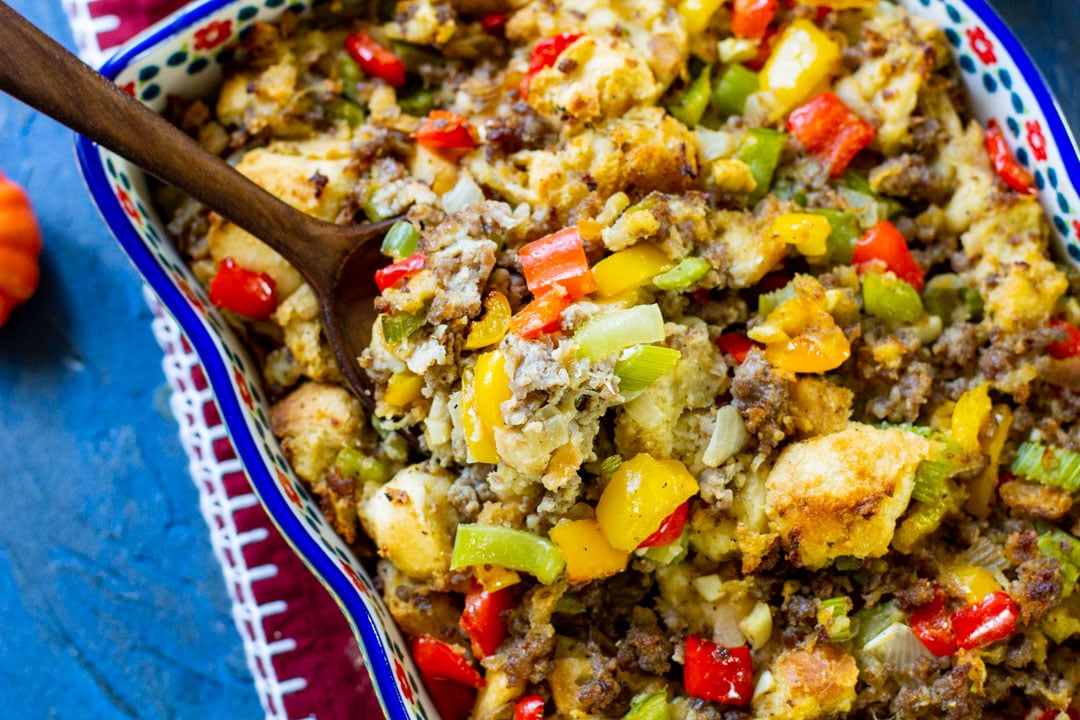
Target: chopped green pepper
[(398, 327), (845, 231), (505, 547), (690, 106), (760, 150), (889, 298), (732, 89), (401, 241)]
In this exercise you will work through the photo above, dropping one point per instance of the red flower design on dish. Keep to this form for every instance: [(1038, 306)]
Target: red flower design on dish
[(403, 681), (1076, 227), (287, 488), (242, 386), (129, 88), (129, 205), (213, 35), (355, 577), (1036, 140), (981, 45)]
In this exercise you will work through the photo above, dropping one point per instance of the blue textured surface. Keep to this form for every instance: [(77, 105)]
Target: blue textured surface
[(111, 603)]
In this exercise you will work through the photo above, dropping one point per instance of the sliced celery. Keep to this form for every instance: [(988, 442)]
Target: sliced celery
[(398, 327), (943, 294), (872, 620), (1048, 465), (833, 618), (609, 465), (930, 480), (607, 334), (767, 302), (641, 366), (509, 548), (364, 468), (1063, 547), (689, 270), (889, 298), (401, 240)]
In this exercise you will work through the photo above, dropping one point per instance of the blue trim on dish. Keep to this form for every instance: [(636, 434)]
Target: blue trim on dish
[(218, 375), (1044, 98)]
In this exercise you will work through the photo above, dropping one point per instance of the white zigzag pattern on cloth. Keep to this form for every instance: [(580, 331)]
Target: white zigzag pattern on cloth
[(217, 508)]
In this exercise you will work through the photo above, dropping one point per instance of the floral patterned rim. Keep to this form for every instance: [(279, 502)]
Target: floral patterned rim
[(183, 55)]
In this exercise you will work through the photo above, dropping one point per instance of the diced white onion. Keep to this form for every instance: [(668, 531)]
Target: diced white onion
[(898, 645), (716, 144), (757, 626), (644, 411), (710, 587), (465, 193), (728, 438), (765, 684)]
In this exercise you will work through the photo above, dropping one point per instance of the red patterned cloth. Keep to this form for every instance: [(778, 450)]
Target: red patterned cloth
[(301, 651)]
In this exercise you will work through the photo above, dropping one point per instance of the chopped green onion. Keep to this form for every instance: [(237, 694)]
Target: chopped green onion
[(840, 245), (364, 468), (930, 479), (833, 618), (653, 706), (1048, 465), (508, 548), (609, 465), (401, 241), (760, 150), (641, 366), (607, 334), (694, 100), (767, 302), (689, 270), (398, 327), (1063, 547), (735, 85), (889, 298)]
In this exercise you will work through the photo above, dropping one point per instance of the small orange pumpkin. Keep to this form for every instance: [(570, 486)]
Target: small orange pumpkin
[(20, 247)]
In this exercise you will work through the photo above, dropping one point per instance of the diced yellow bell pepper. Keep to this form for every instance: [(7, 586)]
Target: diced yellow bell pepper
[(493, 577), (970, 414), (981, 490), (630, 268), (492, 327), (803, 58), (639, 496), (697, 13), (587, 552), (800, 335), (483, 392), (806, 231), (973, 583), (402, 389)]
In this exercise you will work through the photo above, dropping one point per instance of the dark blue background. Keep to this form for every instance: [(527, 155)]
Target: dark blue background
[(111, 603)]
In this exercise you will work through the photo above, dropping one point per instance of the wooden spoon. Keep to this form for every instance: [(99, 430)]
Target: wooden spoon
[(338, 261)]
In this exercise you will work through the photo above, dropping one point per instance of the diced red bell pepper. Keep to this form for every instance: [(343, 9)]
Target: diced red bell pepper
[(750, 18), (375, 60), (493, 22), (530, 707), (988, 620), (830, 130), (443, 661), (482, 617), (1068, 347), (544, 55), (453, 700), (736, 345), (394, 272), (557, 259), (442, 130), (885, 243), (243, 291), (724, 675), (670, 530), (542, 315), (1005, 163), (931, 625)]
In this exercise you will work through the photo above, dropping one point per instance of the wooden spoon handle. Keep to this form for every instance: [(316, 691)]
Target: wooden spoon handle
[(45, 76)]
